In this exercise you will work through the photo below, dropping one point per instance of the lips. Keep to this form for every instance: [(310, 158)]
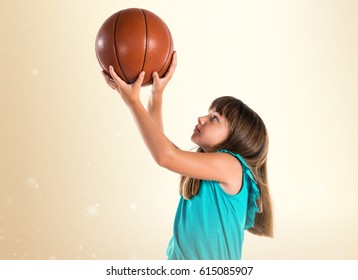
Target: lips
[(196, 129)]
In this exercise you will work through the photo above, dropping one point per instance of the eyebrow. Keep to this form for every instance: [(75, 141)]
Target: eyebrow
[(214, 112), (217, 114)]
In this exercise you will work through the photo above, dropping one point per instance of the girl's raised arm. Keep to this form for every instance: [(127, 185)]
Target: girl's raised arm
[(156, 98), (220, 167)]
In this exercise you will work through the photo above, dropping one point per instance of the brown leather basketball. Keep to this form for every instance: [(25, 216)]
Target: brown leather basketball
[(134, 40)]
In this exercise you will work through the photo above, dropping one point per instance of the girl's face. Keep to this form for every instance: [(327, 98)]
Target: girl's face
[(211, 130)]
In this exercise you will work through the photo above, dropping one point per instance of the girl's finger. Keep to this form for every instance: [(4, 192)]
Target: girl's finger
[(139, 80), (115, 77), (172, 66), (155, 77), (110, 82)]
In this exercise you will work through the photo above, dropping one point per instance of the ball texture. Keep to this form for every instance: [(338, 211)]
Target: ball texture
[(134, 40)]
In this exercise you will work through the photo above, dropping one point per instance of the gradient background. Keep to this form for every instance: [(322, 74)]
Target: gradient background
[(76, 181)]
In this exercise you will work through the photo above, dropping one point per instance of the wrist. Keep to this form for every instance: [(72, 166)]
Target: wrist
[(156, 97), (157, 93), (131, 103)]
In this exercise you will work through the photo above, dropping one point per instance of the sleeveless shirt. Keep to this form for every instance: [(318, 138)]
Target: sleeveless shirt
[(210, 225)]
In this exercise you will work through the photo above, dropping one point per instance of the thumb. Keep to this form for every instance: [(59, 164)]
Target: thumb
[(155, 75), (140, 79)]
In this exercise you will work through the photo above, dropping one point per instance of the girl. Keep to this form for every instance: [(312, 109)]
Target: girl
[(224, 188)]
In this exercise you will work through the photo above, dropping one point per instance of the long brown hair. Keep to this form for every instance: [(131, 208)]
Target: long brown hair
[(248, 137)]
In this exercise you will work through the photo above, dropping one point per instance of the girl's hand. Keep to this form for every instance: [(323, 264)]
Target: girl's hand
[(159, 84), (129, 92)]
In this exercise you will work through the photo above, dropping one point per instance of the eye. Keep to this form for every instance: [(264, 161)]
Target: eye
[(213, 118)]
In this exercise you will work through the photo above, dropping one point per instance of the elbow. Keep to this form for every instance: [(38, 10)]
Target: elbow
[(164, 159)]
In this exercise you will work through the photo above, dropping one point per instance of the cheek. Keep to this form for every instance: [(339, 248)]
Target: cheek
[(224, 134), (222, 138), (214, 139)]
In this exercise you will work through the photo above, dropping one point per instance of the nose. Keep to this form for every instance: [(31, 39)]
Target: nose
[(201, 120)]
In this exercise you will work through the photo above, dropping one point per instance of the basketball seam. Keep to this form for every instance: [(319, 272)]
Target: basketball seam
[(146, 39), (115, 46)]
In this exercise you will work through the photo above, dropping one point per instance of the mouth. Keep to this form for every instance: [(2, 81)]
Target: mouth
[(196, 129)]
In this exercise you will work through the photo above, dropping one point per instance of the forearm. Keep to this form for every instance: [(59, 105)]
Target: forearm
[(156, 98), (155, 109), (157, 143), (149, 122)]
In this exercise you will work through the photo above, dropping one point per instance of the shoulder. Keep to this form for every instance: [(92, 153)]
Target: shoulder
[(233, 182)]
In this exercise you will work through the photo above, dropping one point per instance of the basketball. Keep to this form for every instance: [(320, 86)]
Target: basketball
[(134, 40)]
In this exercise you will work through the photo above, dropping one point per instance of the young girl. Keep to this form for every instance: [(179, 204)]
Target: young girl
[(224, 188)]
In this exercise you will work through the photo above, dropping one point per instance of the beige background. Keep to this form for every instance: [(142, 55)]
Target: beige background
[(76, 181)]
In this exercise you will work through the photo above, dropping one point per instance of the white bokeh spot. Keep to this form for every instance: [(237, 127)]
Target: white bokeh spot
[(31, 182), (92, 210), (321, 189), (35, 71)]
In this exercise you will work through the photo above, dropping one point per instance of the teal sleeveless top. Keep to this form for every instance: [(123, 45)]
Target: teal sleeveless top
[(210, 226)]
